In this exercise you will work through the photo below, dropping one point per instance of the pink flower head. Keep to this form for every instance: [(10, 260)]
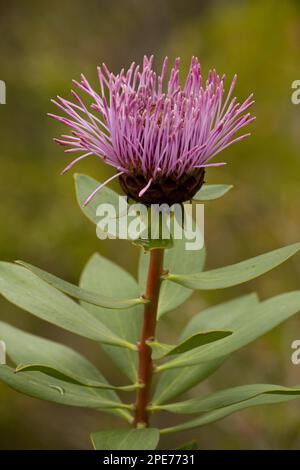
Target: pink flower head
[(152, 129)]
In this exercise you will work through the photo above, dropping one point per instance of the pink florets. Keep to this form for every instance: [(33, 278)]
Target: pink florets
[(143, 124)]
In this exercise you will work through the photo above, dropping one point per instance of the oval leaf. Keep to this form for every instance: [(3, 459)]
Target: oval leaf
[(208, 192), (126, 439), (38, 385), (104, 276), (84, 186), (32, 352), (174, 382), (25, 347), (198, 339), (26, 290), (264, 317), (227, 315)]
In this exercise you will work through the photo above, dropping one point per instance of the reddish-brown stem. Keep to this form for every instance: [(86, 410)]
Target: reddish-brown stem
[(145, 371)]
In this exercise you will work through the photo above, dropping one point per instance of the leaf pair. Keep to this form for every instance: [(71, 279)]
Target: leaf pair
[(249, 320), (114, 329), (28, 291), (173, 382), (69, 378), (261, 319), (224, 403), (53, 372)]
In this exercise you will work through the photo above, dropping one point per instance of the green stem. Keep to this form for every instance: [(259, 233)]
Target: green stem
[(145, 371)]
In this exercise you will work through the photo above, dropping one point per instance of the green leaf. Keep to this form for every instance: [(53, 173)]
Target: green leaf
[(38, 385), (63, 375), (228, 315), (198, 339), (263, 318), (191, 445), (225, 398), (208, 192), (104, 276), (174, 382), (235, 274), (26, 290), (23, 347), (32, 352), (84, 186), (126, 439), (176, 259), (267, 398), (82, 294)]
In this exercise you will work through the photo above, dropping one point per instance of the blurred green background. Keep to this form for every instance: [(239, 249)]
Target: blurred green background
[(46, 44)]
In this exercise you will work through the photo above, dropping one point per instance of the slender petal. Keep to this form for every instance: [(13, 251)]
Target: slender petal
[(147, 125), (100, 187)]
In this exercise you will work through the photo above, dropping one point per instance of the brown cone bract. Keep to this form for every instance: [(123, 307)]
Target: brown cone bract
[(168, 190)]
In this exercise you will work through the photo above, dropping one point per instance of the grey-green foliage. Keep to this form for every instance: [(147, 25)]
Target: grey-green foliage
[(264, 317), (209, 192), (122, 439), (173, 382), (101, 275), (236, 273), (108, 309), (33, 294), (27, 348), (267, 398)]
